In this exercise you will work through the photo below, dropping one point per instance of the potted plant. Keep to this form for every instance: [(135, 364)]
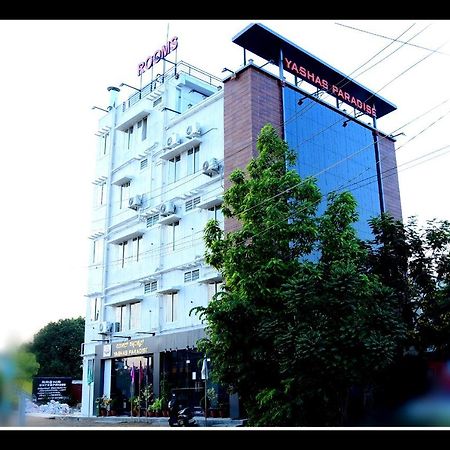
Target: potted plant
[(135, 405), (113, 407), (147, 395), (224, 409), (212, 398), (107, 404), (98, 406), (156, 406), (103, 405)]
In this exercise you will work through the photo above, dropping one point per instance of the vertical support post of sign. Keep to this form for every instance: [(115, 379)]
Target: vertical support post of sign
[(245, 57)]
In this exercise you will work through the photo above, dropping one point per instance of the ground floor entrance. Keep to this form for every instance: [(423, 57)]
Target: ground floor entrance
[(131, 384), (138, 377)]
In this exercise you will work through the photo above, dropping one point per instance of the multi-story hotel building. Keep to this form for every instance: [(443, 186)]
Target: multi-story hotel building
[(163, 160)]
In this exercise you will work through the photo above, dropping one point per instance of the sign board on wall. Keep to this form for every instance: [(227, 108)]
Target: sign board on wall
[(126, 349), (51, 388), (269, 45)]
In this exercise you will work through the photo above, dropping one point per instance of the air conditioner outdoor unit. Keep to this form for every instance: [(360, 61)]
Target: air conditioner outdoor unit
[(167, 209), (193, 130), (173, 140), (211, 167), (116, 327), (135, 202), (105, 327)]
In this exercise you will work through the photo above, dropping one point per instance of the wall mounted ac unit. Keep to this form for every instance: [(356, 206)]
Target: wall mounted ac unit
[(167, 209), (116, 327), (211, 167), (105, 327), (173, 140), (135, 202), (193, 130)]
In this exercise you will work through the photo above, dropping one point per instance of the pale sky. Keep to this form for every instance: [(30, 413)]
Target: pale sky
[(53, 72)]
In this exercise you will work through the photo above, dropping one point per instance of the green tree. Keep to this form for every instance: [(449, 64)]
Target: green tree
[(57, 348), (26, 367), (414, 260), (299, 320)]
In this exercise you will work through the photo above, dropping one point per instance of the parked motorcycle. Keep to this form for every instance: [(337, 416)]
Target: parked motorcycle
[(179, 416)]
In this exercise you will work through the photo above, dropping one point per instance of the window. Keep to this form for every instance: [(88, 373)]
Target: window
[(171, 307), (123, 251), (192, 203), (192, 275), (95, 309), (144, 163), (97, 251), (150, 286), (171, 230), (152, 220), (129, 316), (215, 210), (174, 169), (121, 316), (144, 129), (135, 315), (100, 194), (193, 159), (135, 243), (105, 143), (124, 194), (129, 133), (214, 288)]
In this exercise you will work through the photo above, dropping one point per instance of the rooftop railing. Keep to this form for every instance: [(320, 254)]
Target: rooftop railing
[(160, 79)]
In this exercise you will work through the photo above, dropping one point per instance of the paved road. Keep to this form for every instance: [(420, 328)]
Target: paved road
[(51, 421), (33, 421)]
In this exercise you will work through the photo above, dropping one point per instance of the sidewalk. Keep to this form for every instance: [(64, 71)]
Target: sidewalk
[(49, 420)]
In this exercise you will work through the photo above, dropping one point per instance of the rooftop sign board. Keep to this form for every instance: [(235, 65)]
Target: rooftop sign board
[(264, 42)]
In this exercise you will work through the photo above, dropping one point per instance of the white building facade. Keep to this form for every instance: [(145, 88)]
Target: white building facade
[(159, 179)]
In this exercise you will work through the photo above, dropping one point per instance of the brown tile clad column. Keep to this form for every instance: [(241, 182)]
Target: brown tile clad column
[(251, 100), (389, 177)]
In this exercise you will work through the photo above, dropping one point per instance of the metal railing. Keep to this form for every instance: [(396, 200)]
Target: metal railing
[(175, 70)]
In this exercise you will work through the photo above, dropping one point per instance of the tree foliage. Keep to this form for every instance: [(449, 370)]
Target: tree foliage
[(57, 348), (300, 319), (26, 367), (414, 260)]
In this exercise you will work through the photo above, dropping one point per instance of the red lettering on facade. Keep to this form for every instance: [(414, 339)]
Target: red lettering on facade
[(168, 47), (310, 76), (141, 68), (173, 44), (324, 84), (157, 56), (165, 50)]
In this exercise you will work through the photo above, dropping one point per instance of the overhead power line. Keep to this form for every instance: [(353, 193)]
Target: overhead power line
[(387, 37)]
